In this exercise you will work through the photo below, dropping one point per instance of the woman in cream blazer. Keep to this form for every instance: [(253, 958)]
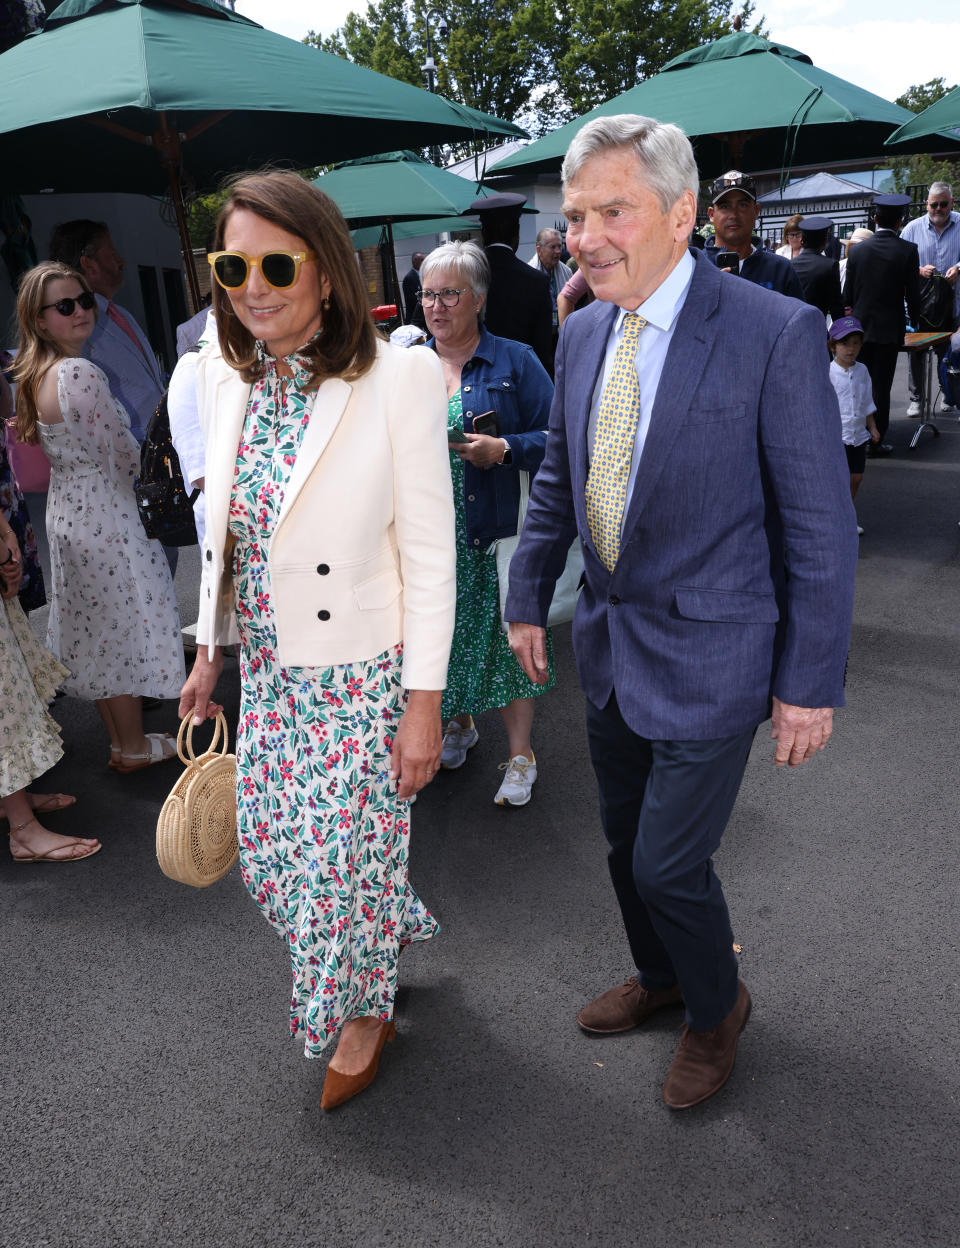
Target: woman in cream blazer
[(329, 556)]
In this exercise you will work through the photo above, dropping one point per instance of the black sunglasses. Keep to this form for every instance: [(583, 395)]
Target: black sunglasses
[(938, 203), (65, 306)]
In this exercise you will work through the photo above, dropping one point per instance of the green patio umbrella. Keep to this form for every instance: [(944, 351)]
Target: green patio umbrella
[(138, 95), (399, 186), (746, 103), (396, 186), (942, 119), (374, 235)]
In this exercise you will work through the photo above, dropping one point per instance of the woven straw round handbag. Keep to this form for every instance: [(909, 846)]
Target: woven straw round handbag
[(197, 828)]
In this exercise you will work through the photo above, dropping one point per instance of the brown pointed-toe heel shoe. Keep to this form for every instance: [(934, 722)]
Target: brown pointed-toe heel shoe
[(624, 1007), (338, 1087), (705, 1059)]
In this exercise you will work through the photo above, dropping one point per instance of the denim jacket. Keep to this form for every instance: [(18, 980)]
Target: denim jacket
[(506, 377)]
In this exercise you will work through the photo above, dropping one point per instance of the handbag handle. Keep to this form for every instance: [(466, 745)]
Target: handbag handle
[(186, 727)]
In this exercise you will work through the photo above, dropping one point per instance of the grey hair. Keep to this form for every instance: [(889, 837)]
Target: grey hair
[(466, 259), (542, 234), (665, 158), (939, 188)]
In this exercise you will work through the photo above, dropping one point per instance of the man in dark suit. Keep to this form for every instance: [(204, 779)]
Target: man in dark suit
[(413, 312), (518, 302), (819, 276), (694, 447), (881, 273)]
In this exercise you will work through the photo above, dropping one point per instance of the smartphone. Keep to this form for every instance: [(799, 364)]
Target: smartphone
[(728, 260), (486, 423), (456, 435)]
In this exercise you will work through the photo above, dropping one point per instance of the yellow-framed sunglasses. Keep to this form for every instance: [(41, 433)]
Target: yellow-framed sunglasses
[(279, 269)]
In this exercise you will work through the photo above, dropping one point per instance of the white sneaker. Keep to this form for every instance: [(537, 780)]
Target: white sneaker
[(946, 407), (914, 408), (456, 742), (518, 782)]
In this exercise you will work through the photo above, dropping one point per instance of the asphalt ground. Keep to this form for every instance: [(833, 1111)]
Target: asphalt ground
[(152, 1095)]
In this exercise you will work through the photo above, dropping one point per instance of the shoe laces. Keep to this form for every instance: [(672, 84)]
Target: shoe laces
[(516, 768)]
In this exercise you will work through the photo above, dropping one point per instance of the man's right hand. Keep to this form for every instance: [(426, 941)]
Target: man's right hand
[(200, 684), (928, 270), (529, 643)]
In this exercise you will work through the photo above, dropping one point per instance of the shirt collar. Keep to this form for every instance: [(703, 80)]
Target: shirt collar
[(298, 363), (662, 307)]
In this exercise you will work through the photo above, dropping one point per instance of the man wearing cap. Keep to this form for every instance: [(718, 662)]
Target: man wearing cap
[(518, 302), (881, 272), (937, 236), (694, 449), (733, 211), (819, 276)]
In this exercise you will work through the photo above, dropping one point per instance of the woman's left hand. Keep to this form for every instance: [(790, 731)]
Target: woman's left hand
[(481, 450), (418, 742), (11, 565)]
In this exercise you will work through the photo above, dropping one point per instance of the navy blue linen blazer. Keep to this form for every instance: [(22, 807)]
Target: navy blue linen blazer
[(735, 577)]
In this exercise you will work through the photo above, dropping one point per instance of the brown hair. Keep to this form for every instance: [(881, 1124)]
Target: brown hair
[(792, 224), (37, 349), (347, 343)]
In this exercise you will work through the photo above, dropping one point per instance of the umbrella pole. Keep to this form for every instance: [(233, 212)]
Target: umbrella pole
[(167, 144), (397, 293)]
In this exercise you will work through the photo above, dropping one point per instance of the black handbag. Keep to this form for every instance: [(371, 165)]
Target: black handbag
[(936, 303), (165, 507)]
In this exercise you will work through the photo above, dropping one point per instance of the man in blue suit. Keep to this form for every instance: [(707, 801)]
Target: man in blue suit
[(695, 448)]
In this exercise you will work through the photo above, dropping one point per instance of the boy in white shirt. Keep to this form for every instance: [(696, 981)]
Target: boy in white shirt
[(851, 381)]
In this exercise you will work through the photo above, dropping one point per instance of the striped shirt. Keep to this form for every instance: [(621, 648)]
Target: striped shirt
[(940, 250)]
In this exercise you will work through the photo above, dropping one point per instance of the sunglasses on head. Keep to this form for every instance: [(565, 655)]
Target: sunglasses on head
[(65, 306), (938, 203), (279, 269)]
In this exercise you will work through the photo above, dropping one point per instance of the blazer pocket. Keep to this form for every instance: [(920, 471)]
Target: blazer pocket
[(714, 415), (726, 605), (378, 591)]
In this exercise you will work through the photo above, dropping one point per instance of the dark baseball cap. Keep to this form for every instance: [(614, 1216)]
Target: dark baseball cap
[(733, 180)]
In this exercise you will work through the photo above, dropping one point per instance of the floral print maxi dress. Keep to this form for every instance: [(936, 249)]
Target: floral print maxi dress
[(324, 839)]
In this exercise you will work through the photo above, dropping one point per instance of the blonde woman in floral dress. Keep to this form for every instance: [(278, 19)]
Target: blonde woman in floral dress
[(113, 614), (329, 553)]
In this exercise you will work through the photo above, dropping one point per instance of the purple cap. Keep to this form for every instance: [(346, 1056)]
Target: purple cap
[(843, 326)]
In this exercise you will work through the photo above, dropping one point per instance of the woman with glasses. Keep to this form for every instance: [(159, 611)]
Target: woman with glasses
[(792, 237), (498, 403), (113, 614), (329, 554)]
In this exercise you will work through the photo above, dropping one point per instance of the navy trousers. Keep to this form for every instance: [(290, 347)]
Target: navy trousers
[(664, 806)]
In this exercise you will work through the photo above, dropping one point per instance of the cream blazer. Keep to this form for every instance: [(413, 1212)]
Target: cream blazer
[(363, 554)]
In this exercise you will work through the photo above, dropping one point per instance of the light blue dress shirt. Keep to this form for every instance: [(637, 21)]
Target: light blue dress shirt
[(660, 312), (941, 250)]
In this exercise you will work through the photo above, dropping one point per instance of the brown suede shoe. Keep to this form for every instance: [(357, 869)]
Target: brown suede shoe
[(625, 1007), (705, 1059)]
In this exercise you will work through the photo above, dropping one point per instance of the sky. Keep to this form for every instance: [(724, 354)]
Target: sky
[(878, 46)]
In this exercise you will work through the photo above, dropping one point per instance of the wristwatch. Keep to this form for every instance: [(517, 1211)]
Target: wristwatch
[(507, 453)]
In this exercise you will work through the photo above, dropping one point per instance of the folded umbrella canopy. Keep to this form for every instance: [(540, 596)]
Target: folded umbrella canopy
[(746, 103), (138, 95)]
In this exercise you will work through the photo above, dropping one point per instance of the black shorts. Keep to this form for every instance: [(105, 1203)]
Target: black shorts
[(856, 457)]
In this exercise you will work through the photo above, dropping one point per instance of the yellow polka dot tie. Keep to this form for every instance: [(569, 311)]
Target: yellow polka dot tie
[(613, 440)]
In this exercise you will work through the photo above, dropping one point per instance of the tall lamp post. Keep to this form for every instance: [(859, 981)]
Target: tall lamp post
[(429, 66)]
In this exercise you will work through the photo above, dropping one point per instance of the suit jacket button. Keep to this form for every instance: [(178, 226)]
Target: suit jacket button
[(614, 600), (323, 569), (323, 615), (466, 389)]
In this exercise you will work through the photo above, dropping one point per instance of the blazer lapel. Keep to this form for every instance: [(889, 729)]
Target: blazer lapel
[(228, 403), (328, 408), (686, 359), (585, 366)]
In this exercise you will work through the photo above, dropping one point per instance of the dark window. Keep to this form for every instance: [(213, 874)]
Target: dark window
[(150, 290)]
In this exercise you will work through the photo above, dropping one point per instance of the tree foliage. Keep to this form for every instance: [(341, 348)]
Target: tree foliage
[(536, 62), (922, 94)]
